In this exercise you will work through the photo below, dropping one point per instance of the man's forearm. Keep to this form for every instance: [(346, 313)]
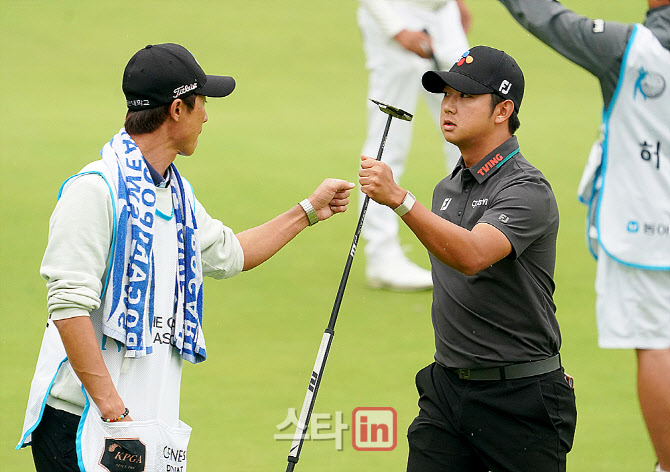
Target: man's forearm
[(85, 357), (264, 241), (459, 248), (467, 251)]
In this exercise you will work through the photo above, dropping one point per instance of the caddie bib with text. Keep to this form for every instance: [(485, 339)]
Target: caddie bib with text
[(633, 209)]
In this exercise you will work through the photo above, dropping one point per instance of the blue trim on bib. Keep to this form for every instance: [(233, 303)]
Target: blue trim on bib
[(603, 165), (163, 216), (22, 442), (589, 246), (191, 187), (80, 429), (111, 194)]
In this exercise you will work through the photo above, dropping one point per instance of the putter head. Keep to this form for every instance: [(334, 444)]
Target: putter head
[(393, 111)]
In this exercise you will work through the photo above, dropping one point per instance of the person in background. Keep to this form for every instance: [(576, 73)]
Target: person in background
[(627, 186), (399, 37)]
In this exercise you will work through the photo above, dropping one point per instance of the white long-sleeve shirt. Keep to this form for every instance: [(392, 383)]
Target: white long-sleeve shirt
[(80, 234), (389, 18), (75, 262)]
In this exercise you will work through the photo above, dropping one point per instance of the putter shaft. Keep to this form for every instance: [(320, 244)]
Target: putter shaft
[(327, 339)]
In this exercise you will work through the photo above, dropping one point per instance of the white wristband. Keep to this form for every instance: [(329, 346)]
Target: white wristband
[(406, 205), (311, 212)]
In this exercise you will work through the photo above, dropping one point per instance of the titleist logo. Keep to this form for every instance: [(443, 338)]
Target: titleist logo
[(183, 89)]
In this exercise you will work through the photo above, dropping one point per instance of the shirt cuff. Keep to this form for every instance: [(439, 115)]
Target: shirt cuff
[(65, 313)]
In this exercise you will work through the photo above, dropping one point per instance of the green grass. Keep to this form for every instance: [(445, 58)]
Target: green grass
[(296, 117)]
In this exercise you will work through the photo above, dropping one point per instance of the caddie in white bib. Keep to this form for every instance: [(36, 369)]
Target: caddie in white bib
[(630, 190)]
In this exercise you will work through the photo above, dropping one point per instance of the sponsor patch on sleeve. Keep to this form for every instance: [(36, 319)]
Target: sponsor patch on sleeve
[(598, 26)]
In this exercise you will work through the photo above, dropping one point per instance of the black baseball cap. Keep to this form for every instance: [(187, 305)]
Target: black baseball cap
[(480, 70), (160, 73)]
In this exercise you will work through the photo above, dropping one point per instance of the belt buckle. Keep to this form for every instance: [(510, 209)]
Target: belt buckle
[(464, 374)]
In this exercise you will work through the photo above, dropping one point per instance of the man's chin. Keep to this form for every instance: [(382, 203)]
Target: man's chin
[(450, 138)]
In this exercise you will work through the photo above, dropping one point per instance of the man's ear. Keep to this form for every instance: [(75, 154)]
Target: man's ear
[(503, 111), (176, 109)]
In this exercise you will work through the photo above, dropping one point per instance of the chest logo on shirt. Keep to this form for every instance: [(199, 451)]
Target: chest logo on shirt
[(480, 202), (649, 84), (445, 204)]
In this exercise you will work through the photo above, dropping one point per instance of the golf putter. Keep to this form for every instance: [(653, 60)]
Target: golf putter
[(327, 339)]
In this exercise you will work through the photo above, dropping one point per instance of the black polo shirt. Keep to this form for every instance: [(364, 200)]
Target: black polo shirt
[(505, 313)]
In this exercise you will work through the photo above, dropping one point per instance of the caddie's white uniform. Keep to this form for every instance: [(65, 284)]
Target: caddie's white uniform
[(395, 79), (629, 194), (626, 185), (149, 385)]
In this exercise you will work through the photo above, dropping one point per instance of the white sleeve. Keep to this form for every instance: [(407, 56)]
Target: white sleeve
[(75, 260), (386, 17), (222, 254)]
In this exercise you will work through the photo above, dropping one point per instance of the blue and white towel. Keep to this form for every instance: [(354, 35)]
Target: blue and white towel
[(129, 301)]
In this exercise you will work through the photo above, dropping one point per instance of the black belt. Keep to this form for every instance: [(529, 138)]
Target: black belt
[(513, 371)]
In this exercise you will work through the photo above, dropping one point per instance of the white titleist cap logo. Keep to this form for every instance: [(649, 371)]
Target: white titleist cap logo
[(184, 89)]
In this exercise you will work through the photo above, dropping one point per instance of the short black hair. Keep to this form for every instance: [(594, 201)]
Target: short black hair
[(148, 121), (513, 121)]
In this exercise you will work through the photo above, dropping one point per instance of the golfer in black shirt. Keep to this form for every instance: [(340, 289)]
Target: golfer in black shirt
[(496, 398)]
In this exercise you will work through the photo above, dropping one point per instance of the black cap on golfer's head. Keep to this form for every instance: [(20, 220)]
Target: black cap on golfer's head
[(158, 74), (480, 70)]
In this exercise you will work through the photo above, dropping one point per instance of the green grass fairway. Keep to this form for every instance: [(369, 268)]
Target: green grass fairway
[(296, 117)]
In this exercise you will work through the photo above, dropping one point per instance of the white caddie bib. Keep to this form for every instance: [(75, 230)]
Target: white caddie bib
[(156, 440), (631, 202)]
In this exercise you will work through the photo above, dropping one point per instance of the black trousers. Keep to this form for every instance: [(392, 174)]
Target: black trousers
[(520, 425), (53, 442)]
